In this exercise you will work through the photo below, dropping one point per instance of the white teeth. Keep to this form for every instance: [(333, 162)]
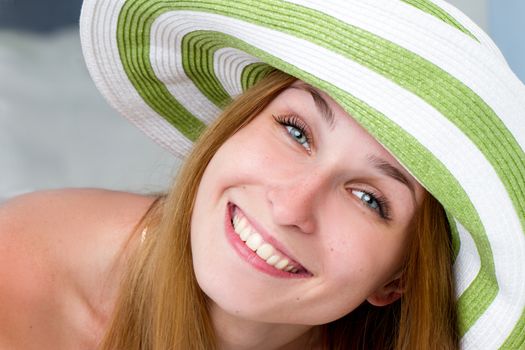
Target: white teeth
[(254, 241), (273, 260), (265, 251), (282, 264), (241, 224), (245, 233)]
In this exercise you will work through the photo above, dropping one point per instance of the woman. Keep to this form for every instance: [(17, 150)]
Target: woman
[(306, 215)]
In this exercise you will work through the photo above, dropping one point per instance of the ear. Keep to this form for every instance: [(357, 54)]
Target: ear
[(388, 293)]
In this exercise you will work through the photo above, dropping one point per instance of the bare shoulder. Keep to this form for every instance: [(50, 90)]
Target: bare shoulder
[(56, 247), (65, 223), (63, 206)]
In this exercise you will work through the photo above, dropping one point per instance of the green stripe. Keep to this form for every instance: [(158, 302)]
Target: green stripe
[(133, 45), (198, 50), (252, 73), (436, 11), (410, 71), (516, 340)]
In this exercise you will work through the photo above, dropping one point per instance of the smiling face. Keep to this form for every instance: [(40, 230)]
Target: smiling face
[(325, 207)]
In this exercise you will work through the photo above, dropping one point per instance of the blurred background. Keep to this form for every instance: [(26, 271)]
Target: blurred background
[(57, 131)]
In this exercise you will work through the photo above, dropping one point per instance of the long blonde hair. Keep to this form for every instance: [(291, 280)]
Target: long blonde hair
[(160, 305)]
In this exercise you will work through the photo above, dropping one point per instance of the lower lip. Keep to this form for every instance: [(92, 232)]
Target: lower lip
[(249, 255)]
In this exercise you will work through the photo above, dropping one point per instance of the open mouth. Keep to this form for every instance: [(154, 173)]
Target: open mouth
[(258, 248)]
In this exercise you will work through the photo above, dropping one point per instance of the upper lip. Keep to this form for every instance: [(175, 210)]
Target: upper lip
[(267, 237)]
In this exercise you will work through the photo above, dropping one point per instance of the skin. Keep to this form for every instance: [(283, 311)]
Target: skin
[(62, 252), (309, 197)]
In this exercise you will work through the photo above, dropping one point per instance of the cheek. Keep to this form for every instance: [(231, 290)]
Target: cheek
[(248, 156), (359, 251), (242, 161)]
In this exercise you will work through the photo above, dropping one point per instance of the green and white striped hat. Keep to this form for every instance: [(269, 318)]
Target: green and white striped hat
[(417, 74)]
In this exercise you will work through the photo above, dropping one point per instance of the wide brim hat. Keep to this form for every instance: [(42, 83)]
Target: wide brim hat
[(420, 76)]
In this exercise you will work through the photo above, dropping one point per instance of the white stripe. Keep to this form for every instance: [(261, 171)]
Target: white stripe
[(451, 50), (229, 64), (467, 264), (102, 59), (471, 26), (166, 61), (434, 132)]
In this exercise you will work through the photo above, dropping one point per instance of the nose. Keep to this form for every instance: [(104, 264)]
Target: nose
[(294, 201)]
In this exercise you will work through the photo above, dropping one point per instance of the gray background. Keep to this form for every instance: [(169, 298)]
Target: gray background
[(57, 131)]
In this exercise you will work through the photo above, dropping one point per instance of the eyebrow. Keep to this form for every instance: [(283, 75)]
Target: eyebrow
[(320, 103), (391, 171)]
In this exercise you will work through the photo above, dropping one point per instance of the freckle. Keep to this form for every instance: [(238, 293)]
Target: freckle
[(331, 249), (236, 311), (297, 299)]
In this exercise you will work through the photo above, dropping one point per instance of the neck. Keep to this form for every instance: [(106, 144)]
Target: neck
[(235, 333)]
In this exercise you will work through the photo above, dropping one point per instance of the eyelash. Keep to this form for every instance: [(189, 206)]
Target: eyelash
[(295, 122), (383, 209)]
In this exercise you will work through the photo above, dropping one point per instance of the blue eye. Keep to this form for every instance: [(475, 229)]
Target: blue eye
[(379, 205), (297, 129), (298, 135), (367, 198)]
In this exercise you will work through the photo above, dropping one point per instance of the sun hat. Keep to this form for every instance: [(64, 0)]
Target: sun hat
[(420, 76)]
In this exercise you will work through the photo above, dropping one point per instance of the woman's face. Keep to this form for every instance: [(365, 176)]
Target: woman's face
[(324, 209)]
